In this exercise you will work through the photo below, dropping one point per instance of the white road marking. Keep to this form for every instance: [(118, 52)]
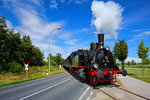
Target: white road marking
[(44, 89), (88, 98), (84, 93), (91, 92)]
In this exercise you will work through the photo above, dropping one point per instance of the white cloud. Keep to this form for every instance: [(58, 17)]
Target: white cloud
[(72, 42), (9, 24), (138, 60), (82, 30), (136, 30), (80, 1), (65, 35), (146, 32), (35, 26), (142, 35), (54, 49), (32, 23), (53, 4)]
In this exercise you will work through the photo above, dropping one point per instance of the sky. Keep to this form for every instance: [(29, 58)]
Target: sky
[(38, 18)]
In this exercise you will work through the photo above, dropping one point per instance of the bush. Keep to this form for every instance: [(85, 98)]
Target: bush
[(45, 62), (128, 63), (13, 67)]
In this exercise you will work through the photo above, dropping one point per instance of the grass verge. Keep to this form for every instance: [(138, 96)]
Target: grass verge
[(138, 66), (35, 73), (138, 74)]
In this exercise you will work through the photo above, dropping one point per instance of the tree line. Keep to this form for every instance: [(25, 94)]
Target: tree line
[(15, 50), (55, 60), (120, 52), (132, 62)]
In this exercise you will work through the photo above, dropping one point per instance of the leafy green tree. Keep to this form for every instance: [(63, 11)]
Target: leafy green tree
[(59, 59), (56, 60), (128, 63), (133, 62), (4, 55), (143, 52), (147, 61), (26, 48), (121, 51), (14, 49), (37, 56)]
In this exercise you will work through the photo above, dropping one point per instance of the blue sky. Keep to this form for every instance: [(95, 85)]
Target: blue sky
[(38, 18)]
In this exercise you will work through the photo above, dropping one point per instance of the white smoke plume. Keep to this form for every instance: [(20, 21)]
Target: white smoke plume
[(107, 17)]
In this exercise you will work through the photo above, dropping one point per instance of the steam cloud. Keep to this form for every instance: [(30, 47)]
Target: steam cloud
[(107, 17)]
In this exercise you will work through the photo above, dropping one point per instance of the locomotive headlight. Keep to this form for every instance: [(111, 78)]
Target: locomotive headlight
[(95, 65), (107, 48)]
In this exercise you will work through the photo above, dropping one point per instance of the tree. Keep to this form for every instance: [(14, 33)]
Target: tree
[(121, 51), (56, 60), (128, 63), (143, 52), (14, 49), (133, 62), (147, 61), (4, 55)]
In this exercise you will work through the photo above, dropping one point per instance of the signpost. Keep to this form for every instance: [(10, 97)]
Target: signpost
[(26, 68)]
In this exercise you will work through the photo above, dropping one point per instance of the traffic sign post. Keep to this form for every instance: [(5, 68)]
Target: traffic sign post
[(26, 68)]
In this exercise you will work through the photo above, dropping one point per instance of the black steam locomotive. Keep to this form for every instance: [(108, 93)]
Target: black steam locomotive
[(94, 65)]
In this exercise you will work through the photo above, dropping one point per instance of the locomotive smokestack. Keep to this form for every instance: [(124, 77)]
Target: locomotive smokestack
[(101, 40)]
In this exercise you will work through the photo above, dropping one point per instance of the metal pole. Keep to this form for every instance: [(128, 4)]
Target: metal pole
[(49, 45), (26, 74), (49, 56), (49, 51)]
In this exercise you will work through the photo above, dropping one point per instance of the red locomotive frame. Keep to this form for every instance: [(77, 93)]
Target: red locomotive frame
[(92, 74)]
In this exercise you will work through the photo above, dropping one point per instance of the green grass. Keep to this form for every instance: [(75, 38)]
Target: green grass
[(36, 72), (137, 66), (138, 74)]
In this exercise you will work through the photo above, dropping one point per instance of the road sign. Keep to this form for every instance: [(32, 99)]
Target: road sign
[(26, 66)]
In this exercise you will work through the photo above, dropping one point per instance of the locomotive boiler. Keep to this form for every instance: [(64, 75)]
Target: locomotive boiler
[(94, 65)]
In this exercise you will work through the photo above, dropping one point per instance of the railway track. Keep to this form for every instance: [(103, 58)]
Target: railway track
[(107, 94), (122, 90)]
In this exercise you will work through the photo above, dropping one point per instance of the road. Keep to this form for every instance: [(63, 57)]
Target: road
[(58, 87), (69, 87)]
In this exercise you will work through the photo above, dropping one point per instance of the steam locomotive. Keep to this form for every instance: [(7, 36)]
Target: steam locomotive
[(94, 65)]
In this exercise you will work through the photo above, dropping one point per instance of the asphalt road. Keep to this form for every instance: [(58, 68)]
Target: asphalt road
[(58, 87), (70, 87)]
